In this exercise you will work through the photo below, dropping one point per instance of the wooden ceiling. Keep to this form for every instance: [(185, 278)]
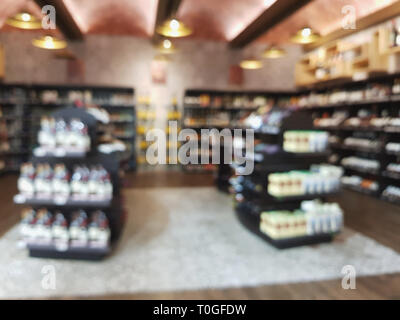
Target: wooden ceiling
[(220, 20), (123, 17), (324, 16)]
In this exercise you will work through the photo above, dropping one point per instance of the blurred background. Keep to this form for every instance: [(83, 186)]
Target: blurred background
[(315, 83)]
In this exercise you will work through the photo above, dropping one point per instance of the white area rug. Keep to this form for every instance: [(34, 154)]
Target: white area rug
[(182, 239)]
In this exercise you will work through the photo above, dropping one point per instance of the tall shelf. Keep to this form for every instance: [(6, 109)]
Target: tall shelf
[(43, 239), (253, 194), (22, 106), (146, 118), (207, 109), (14, 137), (363, 118)]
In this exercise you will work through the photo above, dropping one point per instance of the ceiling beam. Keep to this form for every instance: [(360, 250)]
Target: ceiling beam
[(165, 10), (276, 13), (64, 20), (371, 20)]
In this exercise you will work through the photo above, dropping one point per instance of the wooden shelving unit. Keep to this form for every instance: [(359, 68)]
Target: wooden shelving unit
[(343, 60)]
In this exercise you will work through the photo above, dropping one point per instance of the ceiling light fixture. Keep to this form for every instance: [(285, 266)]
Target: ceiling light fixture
[(273, 53), (49, 42), (24, 20), (173, 28), (251, 64), (166, 47), (305, 36)]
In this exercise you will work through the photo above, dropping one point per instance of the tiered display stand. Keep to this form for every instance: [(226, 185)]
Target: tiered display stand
[(251, 197), (111, 207)]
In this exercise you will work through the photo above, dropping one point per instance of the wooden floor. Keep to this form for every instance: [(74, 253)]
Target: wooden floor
[(374, 218)]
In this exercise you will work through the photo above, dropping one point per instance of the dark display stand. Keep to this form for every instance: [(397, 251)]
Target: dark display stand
[(112, 208), (251, 195), (252, 223), (389, 103), (208, 113), (376, 105)]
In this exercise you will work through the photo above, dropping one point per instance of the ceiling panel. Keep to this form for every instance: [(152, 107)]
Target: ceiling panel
[(125, 17), (324, 16), (220, 19)]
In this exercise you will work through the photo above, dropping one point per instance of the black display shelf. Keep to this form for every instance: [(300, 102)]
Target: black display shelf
[(116, 106), (392, 130), (392, 153), (251, 191), (111, 207), (391, 175), (254, 189), (361, 190), (14, 152), (252, 223), (362, 170), (346, 104), (274, 157), (360, 128), (355, 149), (51, 251), (380, 106), (59, 201), (222, 108), (304, 197), (58, 153)]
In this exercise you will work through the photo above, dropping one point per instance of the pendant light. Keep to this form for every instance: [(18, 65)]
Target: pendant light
[(173, 28), (251, 64), (274, 52), (49, 42), (305, 36), (166, 47), (24, 20)]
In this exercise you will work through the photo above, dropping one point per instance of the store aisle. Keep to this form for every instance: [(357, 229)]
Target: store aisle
[(188, 239)]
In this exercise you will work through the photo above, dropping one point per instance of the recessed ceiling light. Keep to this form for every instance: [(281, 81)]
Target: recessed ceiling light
[(24, 20), (49, 42), (173, 28), (305, 35)]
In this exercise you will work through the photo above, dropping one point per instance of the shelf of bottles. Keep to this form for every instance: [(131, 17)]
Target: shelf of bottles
[(363, 119), (146, 117), (71, 192), (216, 109), (22, 107), (14, 139), (284, 199), (173, 126)]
